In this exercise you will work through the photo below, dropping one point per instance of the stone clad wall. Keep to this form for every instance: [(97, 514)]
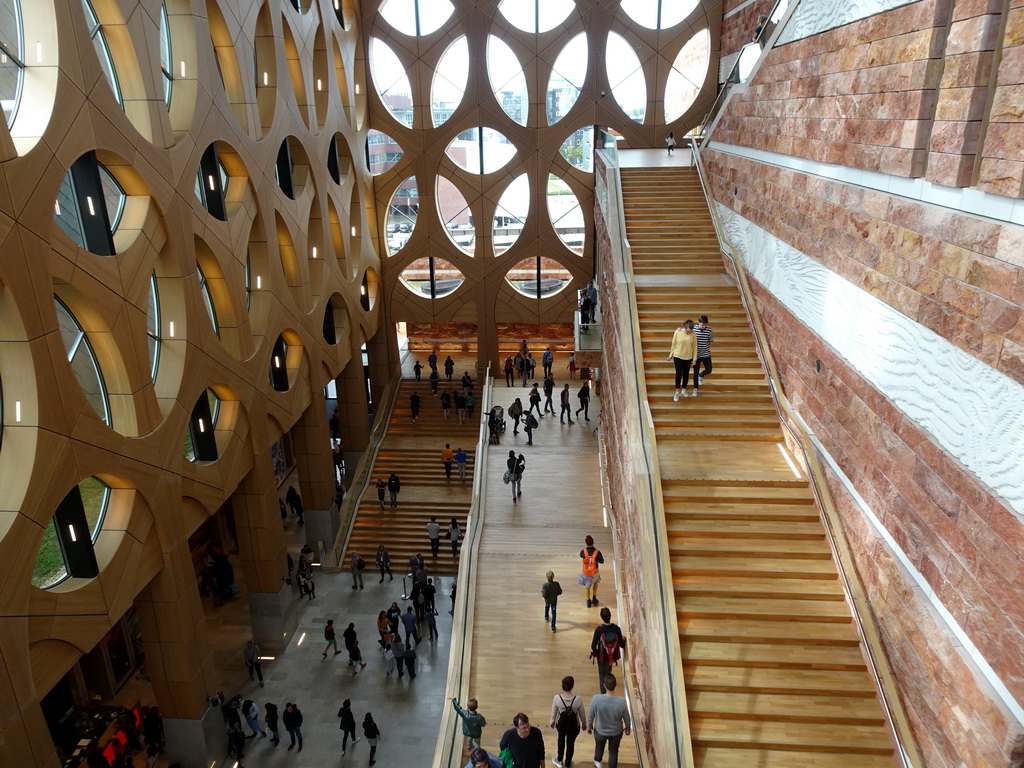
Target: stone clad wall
[(930, 90)]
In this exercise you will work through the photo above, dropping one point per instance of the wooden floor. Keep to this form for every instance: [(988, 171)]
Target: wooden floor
[(774, 673), (413, 452), (517, 662)]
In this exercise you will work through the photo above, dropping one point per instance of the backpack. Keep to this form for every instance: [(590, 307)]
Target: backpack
[(531, 420), (360, 563), (590, 562), (608, 650), (567, 721)]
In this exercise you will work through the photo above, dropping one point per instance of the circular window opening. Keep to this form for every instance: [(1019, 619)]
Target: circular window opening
[(402, 213), (200, 439), (67, 547), (382, 152), (538, 277), (481, 150), (432, 277)]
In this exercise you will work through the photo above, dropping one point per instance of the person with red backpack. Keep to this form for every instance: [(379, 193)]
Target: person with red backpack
[(607, 646), (591, 575)]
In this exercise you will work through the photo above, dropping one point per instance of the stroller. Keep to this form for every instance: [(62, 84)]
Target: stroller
[(496, 424)]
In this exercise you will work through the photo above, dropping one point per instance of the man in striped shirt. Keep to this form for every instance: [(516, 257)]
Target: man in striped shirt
[(704, 338)]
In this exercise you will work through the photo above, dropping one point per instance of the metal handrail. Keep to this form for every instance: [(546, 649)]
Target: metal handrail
[(878, 665), (629, 325), (448, 748), (364, 469), (766, 39)]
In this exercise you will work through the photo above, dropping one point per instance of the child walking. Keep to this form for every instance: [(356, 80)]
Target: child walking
[(550, 591)]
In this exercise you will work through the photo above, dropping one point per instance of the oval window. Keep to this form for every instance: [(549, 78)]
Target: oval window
[(417, 17), (687, 75), (567, 77), (538, 277), (481, 150), (382, 152), (510, 215), (456, 217), (565, 213), (449, 84), (578, 149), (508, 82), (542, 16), (658, 14), (402, 212), (626, 77), (432, 277), (391, 82)]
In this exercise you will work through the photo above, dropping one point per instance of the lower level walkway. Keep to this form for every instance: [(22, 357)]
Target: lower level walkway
[(517, 661)]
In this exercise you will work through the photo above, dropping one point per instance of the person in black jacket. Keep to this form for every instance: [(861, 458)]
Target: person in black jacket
[(372, 733), (394, 486), (606, 646), (271, 710), (348, 724), (525, 741), (292, 718)]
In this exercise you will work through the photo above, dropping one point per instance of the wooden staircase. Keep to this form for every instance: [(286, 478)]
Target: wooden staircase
[(413, 452), (774, 673)]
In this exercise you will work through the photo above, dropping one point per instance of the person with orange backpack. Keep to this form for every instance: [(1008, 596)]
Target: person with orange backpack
[(591, 575)]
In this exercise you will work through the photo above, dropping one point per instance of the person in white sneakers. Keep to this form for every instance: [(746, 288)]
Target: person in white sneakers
[(609, 722), (705, 336), (682, 352)]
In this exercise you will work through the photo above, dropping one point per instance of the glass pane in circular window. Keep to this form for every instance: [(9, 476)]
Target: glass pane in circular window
[(511, 213), (456, 216), (382, 152), (626, 77), (480, 150), (94, 500), (542, 16), (566, 213), (449, 81), (567, 77), (391, 81), (507, 80), (402, 212), (687, 74), (658, 14), (538, 276), (12, 56), (417, 17), (50, 567), (578, 149), (432, 277)]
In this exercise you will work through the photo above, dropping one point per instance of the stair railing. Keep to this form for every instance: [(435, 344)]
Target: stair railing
[(860, 605), (448, 752), (363, 472)]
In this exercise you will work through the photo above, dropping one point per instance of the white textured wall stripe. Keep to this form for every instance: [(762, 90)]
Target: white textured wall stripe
[(970, 409), (813, 17)]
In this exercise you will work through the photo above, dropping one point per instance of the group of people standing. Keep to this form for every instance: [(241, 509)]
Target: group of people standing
[(518, 413)]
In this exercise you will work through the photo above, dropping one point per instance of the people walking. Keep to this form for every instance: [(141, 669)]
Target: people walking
[(670, 142), (461, 457), (681, 353), (447, 454), (705, 337), (550, 591), (472, 722), (510, 371), (608, 721), (381, 487), (295, 502), (530, 423), (460, 406), (454, 534), (355, 658), (449, 367), (347, 725), (394, 486), (549, 390), (434, 534), (434, 381), (414, 406), (292, 718), (252, 661), (417, 369), (357, 565), (370, 729), (535, 400), (331, 638), (515, 411), (606, 646), (568, 718), (251, 712), (467, 383), (446, 403), (591, 575), (547, 360), (516, 466), (383, 560), (584, 398), (432, 361), (525, 742), (564, 401)]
